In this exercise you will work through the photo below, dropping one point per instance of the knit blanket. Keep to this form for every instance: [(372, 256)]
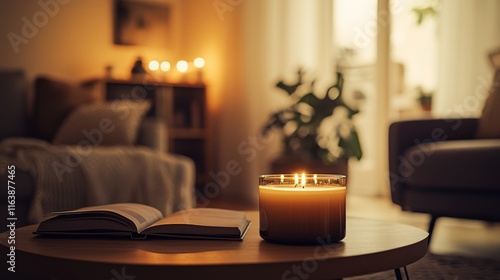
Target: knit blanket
[(70, 177)]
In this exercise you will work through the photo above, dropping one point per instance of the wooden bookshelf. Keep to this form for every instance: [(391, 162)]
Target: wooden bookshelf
[(182, 107)]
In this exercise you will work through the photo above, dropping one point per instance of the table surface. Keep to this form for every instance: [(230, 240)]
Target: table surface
[(370, 246)]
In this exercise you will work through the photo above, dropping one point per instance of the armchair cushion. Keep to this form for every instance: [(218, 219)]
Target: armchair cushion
[(406, 134), (103, 124), (460, 165)]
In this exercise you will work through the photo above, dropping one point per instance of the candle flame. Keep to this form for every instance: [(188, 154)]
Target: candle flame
[(296, 178), (282, 177), (303, 180), (315, 179)]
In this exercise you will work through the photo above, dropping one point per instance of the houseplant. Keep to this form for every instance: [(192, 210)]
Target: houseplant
[(317, 132), (424, 99)]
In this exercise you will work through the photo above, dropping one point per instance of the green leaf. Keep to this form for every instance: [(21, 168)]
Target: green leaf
[(340, 82), (290, 89), (310, 99), (351, 146), (350, 111)]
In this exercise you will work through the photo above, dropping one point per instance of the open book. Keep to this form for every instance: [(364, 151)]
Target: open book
[(140, 221)]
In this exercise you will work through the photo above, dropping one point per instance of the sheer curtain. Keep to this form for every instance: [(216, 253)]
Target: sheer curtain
[(468, 31), (279, 36)]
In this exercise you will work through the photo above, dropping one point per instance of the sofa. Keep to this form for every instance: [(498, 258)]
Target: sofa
[(448, 167), (70, 148)]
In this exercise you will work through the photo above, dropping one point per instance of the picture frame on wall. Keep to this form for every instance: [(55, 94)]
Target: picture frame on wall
[(142, 23)]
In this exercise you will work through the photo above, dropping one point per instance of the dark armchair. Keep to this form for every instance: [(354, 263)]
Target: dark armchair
[(437, 166), (449, 167)]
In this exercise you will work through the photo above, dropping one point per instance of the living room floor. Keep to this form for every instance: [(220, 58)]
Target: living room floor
[(451, 236)]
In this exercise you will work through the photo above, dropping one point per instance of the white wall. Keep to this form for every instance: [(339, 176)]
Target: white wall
[(73, 40)]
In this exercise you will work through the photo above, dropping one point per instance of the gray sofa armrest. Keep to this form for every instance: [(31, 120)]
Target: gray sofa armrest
[(404, 134), (153, 134)]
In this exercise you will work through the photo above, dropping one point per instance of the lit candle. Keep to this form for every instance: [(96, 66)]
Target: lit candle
[(182, 67), (199, 63), (165, 66), (154, 65), (302, 211)]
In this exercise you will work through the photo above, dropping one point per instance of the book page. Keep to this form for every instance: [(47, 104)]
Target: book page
[(201, 221), (140, 215), (206, 217)]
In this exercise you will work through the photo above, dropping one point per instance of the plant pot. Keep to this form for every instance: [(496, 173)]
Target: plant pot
[(291, 165), (426, 106)]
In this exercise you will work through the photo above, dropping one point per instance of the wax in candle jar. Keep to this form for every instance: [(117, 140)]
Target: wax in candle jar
[(302, 213)]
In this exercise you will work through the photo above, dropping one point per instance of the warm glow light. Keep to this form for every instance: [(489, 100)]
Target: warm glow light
[(165, 66), (315, 177), (296, 178), (199, 62), (182, 66), (153, 65), (282, 177), (303, 180)]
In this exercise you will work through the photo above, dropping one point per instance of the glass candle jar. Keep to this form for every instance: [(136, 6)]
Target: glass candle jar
[(302, 208)]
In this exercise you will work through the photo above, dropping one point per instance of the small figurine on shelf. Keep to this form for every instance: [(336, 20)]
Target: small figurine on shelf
[(138, 70), (109, 72)]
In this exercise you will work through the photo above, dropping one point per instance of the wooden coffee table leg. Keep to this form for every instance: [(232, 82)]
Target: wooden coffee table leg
[(397, 271)]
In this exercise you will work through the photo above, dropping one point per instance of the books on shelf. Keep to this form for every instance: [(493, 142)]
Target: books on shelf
[(142, 221)]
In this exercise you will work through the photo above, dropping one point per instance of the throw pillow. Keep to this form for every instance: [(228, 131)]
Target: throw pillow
[(54, 100), (104, 124), (489, 122)]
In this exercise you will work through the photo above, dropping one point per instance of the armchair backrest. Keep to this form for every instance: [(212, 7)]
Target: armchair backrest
[(405, 134)]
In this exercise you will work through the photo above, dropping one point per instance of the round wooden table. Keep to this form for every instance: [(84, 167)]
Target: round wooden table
[(370, 246)]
